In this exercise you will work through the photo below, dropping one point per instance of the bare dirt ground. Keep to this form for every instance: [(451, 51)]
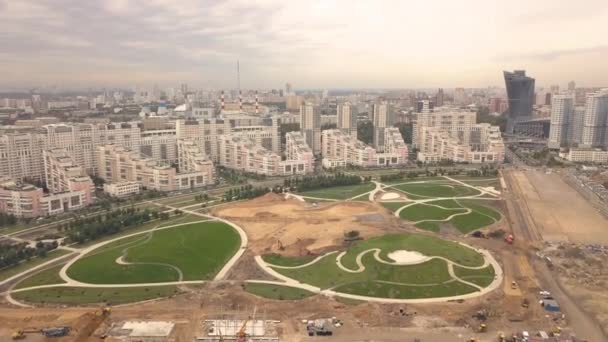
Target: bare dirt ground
[(301, 227), (559, 212)]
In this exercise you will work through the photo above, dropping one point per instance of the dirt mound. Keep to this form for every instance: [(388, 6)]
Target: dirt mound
[(300, 227)]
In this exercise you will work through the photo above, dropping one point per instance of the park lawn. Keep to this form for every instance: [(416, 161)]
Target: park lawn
[(474, 205), (326, 274), (340, 192), (412, 180), (419, 212), (185, 218), (279, 292), (199, 250), (424, 244), (384, 290), (482, 277), (280, 260), (452, 204), (428, 225), (85, 295), (46, 277), (6, 273), (443, 189)]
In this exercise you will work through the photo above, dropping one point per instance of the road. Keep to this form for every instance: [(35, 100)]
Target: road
[(524, 229)]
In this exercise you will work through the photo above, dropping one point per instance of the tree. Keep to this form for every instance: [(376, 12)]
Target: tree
[(406, 131), (365, 131)]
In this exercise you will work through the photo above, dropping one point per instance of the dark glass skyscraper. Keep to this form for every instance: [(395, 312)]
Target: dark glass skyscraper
[(520, 92)]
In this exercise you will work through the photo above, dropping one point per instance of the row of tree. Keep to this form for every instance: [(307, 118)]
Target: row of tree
[(13, 254), (7, 219), (91, 228), (323, 181), (201, 198), (485, 171), (244, 192), (237, 176)]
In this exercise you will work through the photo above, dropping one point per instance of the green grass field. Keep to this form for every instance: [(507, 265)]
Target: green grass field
[(46, 277), (278, 292), (393, 206), (340, 192), (199, 250), (428, 279), (33, 262), (482, 277), (279, 260), (84, 295), (443, 189), (419, 212), (428, 225)]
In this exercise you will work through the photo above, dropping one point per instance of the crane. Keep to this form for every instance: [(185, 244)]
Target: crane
[(241, 335)]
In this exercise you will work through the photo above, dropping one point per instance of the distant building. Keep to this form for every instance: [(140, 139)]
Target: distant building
[(64, 176), (520, 94), (561, 112), (310, 126), (586, 155), (122, 189), (347, 119), (383, 117)]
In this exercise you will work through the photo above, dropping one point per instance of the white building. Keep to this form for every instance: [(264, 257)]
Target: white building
[(382, 117), (586, 155), (297, 149), (122, 189), (339, 149), (595, 122)]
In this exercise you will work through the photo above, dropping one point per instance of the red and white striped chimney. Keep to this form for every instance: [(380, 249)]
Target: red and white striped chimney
[(240, 100), (222, 100), (256, 102)]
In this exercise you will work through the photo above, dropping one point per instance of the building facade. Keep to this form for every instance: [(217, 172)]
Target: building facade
[(382, 117), (562, 111), (347, 118), (310, 126), (520, 94), (595, 123)]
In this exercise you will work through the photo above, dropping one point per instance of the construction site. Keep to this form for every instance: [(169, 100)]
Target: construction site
[(528, 305)]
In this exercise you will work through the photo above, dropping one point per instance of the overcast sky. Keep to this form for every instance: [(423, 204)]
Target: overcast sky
[(312, 44)]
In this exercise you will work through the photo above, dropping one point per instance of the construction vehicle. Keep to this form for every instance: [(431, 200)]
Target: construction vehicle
[(93, 323), (241, 335), (513, 285), (501, 336), (509, 239), (48, 332), (482, 328), (525, 303)]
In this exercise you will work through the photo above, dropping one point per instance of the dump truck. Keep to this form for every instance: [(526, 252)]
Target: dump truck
[(319, 327), (48, 332)]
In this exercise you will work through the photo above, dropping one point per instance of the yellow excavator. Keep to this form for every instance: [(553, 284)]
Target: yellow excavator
[(241, 335)]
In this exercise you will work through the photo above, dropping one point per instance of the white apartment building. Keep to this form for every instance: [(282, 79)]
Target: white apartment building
[(122, 189), (586, 155), (595, 124), (347, 119), (117, 164), (339, 149), (483, 143), (297, 149), (240, 152), (457, 123), (192, 159), (310, 126), (63, 175), (562, 109)]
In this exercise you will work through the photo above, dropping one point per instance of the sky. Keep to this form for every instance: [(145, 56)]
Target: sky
[(311, 44)]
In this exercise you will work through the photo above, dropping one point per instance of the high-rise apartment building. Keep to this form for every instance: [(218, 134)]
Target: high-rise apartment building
[(63, 175), (457, 123), (595, 122), (347, 118), (520, 94), (297, 149), (562, 111), (310, 126), (383, 117)]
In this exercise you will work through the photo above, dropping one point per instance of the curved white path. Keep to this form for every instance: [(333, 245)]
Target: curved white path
[(488, 260)]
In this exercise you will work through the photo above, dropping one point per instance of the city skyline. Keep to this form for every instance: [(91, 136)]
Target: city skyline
[(336, 44)]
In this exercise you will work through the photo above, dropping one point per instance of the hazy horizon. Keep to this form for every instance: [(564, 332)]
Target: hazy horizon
[(312, 44)]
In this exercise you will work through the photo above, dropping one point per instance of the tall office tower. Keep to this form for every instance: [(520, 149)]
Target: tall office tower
[(596, 120), (561, 112), (310, 126), (439, 98), (287, 88), (382, 117), (520, 92), (424, 106), (347, 119), (571, 86)]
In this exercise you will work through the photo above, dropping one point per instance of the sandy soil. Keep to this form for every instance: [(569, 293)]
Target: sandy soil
[(560, 212), (407, 257), (390, 196), (296, 228)]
